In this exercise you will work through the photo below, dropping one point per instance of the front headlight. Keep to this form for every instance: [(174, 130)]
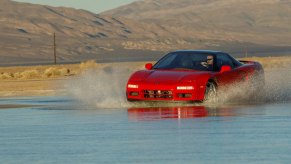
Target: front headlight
[(133, 86), (185, 88)]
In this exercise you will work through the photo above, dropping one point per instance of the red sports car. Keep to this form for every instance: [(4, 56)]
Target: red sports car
[(192, 75)]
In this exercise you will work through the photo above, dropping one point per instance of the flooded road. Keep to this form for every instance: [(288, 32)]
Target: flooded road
[(60, 130)]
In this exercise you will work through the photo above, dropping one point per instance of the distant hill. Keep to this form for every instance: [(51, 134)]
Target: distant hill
[(263, 22), (141, 29), (26, 33)]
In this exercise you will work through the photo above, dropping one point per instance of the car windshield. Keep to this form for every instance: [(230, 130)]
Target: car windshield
[(186, 60)]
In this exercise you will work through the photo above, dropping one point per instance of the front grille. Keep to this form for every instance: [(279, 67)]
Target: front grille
[(159, 94)]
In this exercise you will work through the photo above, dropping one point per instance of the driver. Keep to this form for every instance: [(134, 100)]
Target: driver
[(209, 63)]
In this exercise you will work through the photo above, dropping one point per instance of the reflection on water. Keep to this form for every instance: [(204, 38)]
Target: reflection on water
[(51, 132), (182, 112)]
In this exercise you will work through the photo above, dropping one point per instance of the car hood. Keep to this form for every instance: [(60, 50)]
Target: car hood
[(169, 76)]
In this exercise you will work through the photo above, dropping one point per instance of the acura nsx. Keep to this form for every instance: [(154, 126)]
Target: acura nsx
[(192, 75)]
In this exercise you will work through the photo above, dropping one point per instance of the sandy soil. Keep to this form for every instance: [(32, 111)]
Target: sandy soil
[(36, 87), (49, 79)]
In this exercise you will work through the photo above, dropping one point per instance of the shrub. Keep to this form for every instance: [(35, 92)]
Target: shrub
[(88, 64), (6, 75), (54, 72), (30, 74)]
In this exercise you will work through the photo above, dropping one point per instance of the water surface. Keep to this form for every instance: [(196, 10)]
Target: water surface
[(59, 130)]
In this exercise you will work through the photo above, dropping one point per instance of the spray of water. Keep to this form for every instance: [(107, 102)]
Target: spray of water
[(277, 89), (105, 88), (278, 86)]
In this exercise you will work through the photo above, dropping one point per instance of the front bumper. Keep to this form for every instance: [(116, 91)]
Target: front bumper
[(163, 93)]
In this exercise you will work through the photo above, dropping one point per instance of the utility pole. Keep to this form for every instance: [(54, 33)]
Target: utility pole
[(55, 49)]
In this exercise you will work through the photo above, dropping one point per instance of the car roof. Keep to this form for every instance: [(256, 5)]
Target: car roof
[(201, 51)]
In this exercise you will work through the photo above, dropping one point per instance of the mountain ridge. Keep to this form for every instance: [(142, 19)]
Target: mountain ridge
[(252, 18), (80, 34), (26, 30)]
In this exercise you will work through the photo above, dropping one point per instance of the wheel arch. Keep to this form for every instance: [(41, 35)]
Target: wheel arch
[(212, 82), (203, 84)]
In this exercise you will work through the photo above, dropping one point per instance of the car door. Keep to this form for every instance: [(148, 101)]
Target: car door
[(230, 76)]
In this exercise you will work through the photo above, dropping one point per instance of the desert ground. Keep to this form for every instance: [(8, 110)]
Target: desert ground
[(50, 79)]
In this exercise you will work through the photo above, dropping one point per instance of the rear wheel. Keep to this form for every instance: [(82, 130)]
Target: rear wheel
[(211, 92)]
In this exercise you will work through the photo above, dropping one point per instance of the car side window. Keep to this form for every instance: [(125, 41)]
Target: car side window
[(223, 59)]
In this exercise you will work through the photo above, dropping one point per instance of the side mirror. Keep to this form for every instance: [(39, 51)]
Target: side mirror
[(225, 68), (149, 66)]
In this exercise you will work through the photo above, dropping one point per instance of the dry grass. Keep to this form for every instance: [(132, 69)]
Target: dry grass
[(35, 74), (272, 62), (38, 72), (48, 71), (6, 75), (56, 72), (88, 65)]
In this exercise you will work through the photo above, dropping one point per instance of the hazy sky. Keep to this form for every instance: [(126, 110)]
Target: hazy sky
[(96, 6)]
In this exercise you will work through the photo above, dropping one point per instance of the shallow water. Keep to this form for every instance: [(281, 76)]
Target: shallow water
[(59, 130)]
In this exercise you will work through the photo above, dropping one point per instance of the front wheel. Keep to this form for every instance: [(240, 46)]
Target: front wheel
[(211, 93)]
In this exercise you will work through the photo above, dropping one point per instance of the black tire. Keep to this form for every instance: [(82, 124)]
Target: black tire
[(211, 93)]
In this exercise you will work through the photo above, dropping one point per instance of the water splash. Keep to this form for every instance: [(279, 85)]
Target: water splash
[(277, 89), (278, 85), (105, 88)]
